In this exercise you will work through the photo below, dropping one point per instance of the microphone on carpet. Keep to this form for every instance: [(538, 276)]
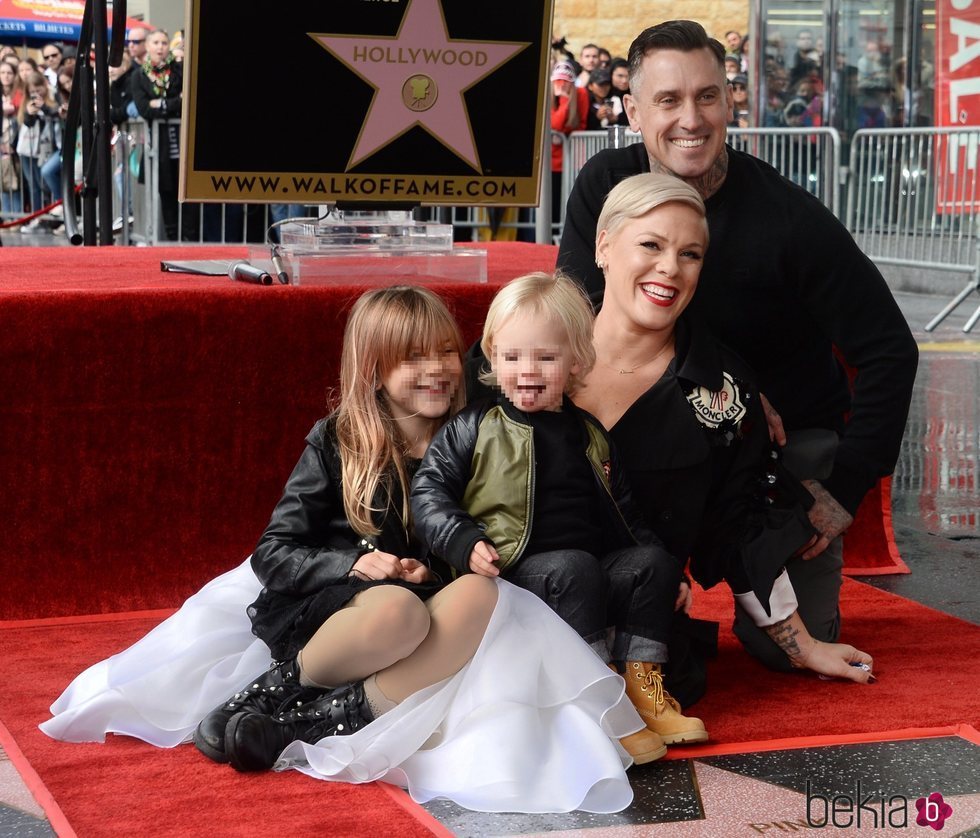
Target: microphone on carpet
[(245, 272)]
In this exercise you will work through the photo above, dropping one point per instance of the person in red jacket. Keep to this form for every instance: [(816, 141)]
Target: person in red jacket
[(569, 110)]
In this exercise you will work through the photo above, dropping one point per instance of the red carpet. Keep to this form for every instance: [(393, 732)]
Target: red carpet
[(127, 787), (927, 663)]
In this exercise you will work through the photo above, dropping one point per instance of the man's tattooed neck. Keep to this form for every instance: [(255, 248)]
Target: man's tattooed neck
[(706, 184)]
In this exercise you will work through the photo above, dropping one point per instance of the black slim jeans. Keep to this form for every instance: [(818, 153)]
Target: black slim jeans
[(622, 603)]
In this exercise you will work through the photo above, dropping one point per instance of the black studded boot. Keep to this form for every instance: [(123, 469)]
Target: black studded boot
[(253, 741), (267, 693)]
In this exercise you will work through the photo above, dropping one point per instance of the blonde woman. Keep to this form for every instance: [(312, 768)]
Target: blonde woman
[(708, 482)]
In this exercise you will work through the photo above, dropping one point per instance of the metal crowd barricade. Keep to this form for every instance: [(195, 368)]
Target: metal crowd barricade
[(137, 171), (580, 146), (480, 223), (485, 224), (237, 223), (127, 189), (809, 157), (915, 201), (134, 184)]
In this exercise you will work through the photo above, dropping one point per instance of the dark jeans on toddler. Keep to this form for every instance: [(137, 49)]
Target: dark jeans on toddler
[(632, 591)]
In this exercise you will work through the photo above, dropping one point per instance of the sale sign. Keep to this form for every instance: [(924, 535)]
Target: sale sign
[(958, 103)]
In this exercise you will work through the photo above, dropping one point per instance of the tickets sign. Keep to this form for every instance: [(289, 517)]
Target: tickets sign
[(432, 102), (47, 20)]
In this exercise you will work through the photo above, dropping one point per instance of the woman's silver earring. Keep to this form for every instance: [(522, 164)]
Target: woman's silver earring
[(600, 264)]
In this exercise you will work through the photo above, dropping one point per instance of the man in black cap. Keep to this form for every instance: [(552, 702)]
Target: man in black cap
[(604, 109), (740, 102)]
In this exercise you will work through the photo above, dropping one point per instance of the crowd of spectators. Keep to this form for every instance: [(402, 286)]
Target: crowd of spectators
[(866, 90), (35, 102), (587, 94), (147, 84)]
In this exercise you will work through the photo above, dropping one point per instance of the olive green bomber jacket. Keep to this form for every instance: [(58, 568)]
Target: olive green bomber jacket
[(476, 482)]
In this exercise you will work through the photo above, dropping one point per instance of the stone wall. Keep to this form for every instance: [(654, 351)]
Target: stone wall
[(614, 23)]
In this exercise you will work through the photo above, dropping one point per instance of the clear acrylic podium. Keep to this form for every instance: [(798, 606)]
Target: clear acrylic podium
[(372, 249)]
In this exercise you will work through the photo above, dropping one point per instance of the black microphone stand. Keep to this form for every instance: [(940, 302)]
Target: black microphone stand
[(88, 106)]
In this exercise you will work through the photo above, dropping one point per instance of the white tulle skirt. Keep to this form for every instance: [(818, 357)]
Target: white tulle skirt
[(530, 724)]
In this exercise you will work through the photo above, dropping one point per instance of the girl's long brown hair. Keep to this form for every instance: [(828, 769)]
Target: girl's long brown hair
[(383, 329), (36, 79)]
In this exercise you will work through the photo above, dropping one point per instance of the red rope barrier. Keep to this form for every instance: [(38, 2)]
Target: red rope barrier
[(28, 218)]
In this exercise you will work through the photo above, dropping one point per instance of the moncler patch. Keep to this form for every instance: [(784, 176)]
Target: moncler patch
[(722, 406)]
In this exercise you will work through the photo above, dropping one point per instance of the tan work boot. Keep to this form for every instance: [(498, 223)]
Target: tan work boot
[(662, 713), (644, 746)]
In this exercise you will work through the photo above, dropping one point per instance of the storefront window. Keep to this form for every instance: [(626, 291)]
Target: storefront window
[(922, 79), (792, 65), (851, 57)]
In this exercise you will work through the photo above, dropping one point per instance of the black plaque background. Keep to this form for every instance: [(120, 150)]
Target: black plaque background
[(269, 98)]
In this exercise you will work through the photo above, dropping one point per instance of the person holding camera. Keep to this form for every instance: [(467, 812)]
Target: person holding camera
[(560, 53), (51, 168), (619, 70), (38, 137)]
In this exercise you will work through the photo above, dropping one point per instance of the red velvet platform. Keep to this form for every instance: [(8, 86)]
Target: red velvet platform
[(148, 420)]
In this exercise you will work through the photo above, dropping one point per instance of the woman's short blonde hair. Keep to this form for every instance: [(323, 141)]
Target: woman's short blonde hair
[(635, 196), (555, 296)]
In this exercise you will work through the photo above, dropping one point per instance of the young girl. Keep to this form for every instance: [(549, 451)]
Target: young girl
[(342, 601), (527, 486), (345, 596)]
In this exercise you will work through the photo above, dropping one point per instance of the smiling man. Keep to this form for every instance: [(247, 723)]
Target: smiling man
[(783, 284)]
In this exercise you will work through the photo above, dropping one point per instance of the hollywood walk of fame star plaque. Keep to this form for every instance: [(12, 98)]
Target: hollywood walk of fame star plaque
[(383, 102)]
